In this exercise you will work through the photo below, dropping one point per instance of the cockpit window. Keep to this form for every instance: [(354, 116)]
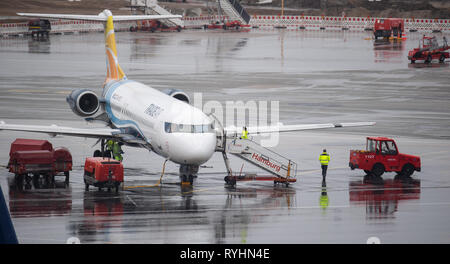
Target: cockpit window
[(183, 128)]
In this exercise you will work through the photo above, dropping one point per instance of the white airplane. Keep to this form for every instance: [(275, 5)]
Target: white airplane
[(140, 116)]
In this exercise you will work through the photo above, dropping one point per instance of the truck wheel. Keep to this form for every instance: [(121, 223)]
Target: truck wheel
[(442, 58), (367, 172), (66, 173), (428, 59), (378, 170), (407, 170)]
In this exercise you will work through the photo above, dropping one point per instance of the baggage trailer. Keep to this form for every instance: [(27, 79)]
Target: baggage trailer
[(29, 159), (381, 155), (103, 173)]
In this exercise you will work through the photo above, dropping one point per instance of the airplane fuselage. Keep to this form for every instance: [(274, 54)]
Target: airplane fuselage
[(170, 127)]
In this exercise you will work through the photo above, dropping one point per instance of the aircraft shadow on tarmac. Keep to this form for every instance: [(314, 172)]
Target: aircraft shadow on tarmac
[(381, 196)]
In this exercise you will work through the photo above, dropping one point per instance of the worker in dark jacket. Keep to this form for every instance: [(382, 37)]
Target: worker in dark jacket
[(324, 159)]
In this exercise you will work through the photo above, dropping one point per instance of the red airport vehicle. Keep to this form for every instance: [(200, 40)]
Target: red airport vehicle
[(154, 25), (388, 27), (381, 155), (429, 49), (38, 158), (103, 173), (227, 25)]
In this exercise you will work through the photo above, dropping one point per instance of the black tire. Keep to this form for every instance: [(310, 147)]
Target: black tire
[(442, 58), (67, 174), (378, 170), (367, 172), (413, 61), (428, 59), (408, 170)]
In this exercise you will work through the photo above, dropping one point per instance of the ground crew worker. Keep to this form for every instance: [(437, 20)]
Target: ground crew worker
[(117, 151), (244, 133), (324, 158), (109, 145)]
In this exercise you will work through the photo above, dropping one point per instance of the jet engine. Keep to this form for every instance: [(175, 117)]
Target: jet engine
[(83, 102), (178, 94)]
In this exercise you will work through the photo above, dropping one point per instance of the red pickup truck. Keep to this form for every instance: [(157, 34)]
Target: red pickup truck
[(381, 155)]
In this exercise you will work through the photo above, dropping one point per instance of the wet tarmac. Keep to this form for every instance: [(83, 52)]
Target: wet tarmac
[(318, 77)]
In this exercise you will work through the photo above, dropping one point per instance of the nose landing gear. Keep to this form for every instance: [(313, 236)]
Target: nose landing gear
[(188, 173)]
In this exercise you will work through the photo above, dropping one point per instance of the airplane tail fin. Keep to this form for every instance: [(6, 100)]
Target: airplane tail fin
[(113, 70)]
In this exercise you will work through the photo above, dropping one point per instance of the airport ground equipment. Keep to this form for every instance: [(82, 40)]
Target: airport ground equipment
[(39, 27), (237, 16), (387, 27), (151, 7), (103, 173), (153, 26), (381, 155), (29, 159), (227, 25), (282, 169), (234, 10), (429, 49)]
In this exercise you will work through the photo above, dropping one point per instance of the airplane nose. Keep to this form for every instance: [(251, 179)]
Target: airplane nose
[(194, 149)]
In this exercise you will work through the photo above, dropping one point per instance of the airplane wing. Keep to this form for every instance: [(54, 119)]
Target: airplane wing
[(99, 17), (54, 130), (289, 128)]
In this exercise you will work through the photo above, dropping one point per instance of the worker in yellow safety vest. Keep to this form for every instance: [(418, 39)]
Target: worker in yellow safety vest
[(324, 159), (117, 151), (244, 133)]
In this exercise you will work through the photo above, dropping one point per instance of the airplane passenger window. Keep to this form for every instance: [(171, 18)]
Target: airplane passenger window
[(198, 129), (167, 127), (183, 128)]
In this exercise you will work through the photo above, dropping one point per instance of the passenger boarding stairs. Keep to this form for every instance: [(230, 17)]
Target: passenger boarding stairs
[(283, 169), (234, 10), (151, 7), (263, 158)]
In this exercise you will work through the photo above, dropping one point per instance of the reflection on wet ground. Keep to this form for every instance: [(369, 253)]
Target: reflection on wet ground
[(318, 77), (382, 197)]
